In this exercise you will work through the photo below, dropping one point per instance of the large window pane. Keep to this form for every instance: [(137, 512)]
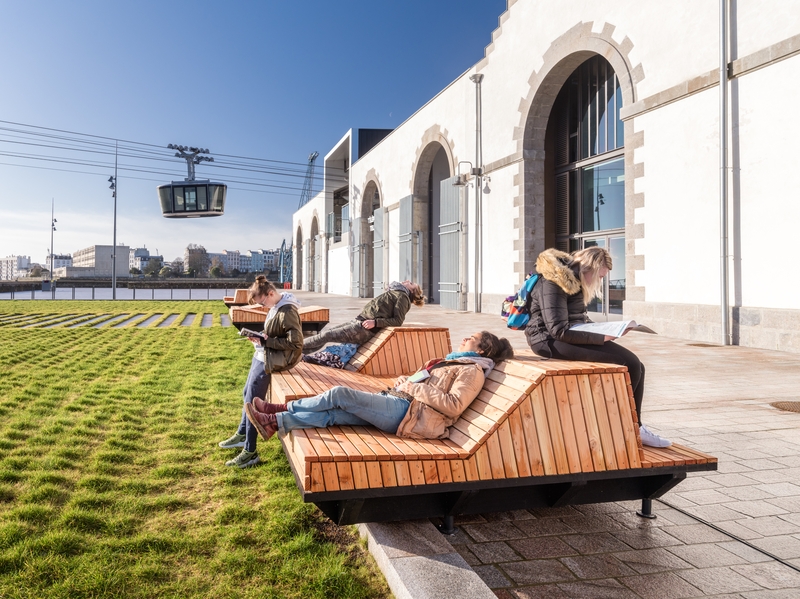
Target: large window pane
[(604, 196), (165, 196), (616, 278), (190, 197), (179, 205), (596, 305), (202, 199)]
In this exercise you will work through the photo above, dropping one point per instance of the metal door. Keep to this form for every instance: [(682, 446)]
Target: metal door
[(356, 251), (452, 221), (378, 244), (406, 239)]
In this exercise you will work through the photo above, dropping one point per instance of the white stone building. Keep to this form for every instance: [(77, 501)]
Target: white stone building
[(598, 124), (59, 261), (96, 261)]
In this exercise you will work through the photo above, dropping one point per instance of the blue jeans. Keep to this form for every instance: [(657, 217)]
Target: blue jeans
[(256, 386), (344, 406)]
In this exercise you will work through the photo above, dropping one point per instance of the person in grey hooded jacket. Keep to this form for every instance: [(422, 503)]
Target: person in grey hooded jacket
[(389, 309)]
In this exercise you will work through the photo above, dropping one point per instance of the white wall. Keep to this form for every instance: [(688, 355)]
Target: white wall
[(339, 270)]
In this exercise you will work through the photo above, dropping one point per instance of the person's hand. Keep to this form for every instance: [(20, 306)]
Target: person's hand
[(405, 387), (608, 338), (400, 380), (368, 324)]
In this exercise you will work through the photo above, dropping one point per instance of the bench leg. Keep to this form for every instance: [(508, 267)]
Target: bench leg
[(647, 509), (446, 527)]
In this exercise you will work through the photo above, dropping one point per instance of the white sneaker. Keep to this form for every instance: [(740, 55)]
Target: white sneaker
[(651, 439)]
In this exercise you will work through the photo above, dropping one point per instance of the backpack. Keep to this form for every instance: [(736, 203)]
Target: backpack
[(517, 308)]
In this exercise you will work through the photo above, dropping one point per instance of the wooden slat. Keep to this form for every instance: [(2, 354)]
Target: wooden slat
[(578, 423), (612, 406), (302, 446), (543, 432), (317, 481), (330, 476), (520, 447), (591, 386), (445, 474), (482, 462), (360, 479), (417, 472), (629, 428), (471, 469), (358, 443), (301, 468), (554, 426), (590, 420), (388, 473), (344, 443), (345, 472), (531, 437), (321, 449), (374, 475), (507, 450), (459, 473), (567, 426), (495, 456), (403, 474), (431, 472)]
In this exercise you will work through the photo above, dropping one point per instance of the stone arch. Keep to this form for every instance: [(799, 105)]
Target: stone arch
[(563, 56), (435, 161), (313, 259)]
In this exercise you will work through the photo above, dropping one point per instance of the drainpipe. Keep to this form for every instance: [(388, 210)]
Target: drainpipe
[(723, 165), (478, 172)]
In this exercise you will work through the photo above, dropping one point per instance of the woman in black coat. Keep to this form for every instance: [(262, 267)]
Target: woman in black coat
[(568, 282)]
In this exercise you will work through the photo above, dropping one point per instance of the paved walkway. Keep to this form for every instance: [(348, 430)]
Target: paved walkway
[(716, 399)]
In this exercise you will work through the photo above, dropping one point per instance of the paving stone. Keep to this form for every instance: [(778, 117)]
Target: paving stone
[(784, 489), (542, 527), (493, 553), (744, 551), (771, 594), (494, 531), (589, 524), (493, 578), (537, 571), (737, 530), (751, 493), (718, 580), (596, 566), (704, 496), (695, 533), (646, 538), (591, 509), (664, 585), (554, 512), (514, 515), (410, 538), (771, 575), (597, 589), (545, 591), (595, 543), (790, 504), (766, 475), (707, 555), (503, 594), (730, 480), (542, 547), (714, 513), (472, 519), (469, 557), (755, 508), (785, 547), (770, 525), (649, 561)]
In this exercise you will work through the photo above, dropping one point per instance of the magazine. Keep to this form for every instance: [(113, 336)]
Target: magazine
[(614, 329)]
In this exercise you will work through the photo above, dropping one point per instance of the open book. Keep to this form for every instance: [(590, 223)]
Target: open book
[(615, 328), (250, 333)]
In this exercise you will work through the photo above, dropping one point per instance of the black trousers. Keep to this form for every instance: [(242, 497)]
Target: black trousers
[(608, 353)]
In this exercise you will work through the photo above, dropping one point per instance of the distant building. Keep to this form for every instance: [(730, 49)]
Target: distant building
[(59, 261), (12, 267), (140, 258), (95, 261)]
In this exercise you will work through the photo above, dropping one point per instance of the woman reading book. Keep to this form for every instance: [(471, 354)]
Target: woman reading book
[(422, 406), (567, 283), (279, 349)]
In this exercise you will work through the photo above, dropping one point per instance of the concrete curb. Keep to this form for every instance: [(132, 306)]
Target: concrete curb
[(419, 563)]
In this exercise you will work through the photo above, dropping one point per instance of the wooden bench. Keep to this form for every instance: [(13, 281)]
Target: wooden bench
[(400, 350), (541, 433), (312, 318)]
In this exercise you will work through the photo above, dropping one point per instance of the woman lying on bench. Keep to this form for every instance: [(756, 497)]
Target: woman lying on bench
[(423, 405)]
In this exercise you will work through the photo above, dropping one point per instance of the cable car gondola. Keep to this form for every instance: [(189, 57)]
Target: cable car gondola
[(192, 198)]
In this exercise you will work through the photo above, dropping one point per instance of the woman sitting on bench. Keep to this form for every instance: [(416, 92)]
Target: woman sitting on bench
[(422, 406), (389, 309), (568, 282)]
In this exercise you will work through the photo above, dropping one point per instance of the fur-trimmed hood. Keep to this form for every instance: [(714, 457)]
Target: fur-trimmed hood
[(554, 265)]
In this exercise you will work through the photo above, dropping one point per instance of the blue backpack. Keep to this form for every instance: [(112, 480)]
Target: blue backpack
[(517, 308)]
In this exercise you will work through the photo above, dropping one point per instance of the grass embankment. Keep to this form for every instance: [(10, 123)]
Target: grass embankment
[(111, 483)]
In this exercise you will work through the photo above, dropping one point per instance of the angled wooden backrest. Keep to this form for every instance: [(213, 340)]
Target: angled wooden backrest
[(400, 350), (257, 314)]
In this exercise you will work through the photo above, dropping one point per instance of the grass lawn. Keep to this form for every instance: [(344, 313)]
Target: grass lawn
[(111, 481)]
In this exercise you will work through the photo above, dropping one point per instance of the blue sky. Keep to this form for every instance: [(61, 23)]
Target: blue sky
[(265, 79)]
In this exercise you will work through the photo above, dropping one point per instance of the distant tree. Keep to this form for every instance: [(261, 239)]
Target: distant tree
[(177, 267), (135, 271), (217, 268), (152, 268), (235, 272), (250, 277), (198, 259), (36, 271), (165, 272)]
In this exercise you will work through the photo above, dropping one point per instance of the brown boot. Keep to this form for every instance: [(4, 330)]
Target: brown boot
[(268, 408), (266, 424)]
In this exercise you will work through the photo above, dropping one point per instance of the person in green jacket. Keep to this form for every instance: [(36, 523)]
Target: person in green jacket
[(389, 309), (281, 350)]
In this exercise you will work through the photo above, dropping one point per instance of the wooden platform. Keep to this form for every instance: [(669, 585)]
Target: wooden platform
[(239, 298), (540, 433), (307, 380)]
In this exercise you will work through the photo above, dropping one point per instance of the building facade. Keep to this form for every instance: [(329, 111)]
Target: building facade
[(96, 261), (13, 267), (588, 124)]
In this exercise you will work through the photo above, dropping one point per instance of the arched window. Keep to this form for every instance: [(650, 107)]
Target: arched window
[(589, 169)]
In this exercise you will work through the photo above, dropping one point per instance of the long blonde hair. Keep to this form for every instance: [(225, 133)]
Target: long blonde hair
[(591, 260)]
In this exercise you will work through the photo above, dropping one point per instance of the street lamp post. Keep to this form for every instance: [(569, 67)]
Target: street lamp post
[(53, 222), (113, 187)]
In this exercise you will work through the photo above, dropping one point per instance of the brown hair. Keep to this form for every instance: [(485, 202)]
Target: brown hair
[(494, 347), (591, 260), (260, 288), (417, 297)]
